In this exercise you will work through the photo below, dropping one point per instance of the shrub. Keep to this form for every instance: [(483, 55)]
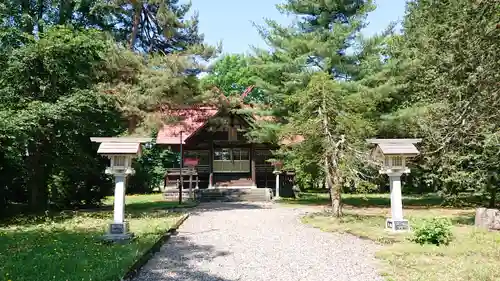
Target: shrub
[(436, 231)]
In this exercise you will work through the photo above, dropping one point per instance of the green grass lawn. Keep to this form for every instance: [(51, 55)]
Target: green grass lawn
[(68, 246), (473, 255), (149, 202), (321, 197)]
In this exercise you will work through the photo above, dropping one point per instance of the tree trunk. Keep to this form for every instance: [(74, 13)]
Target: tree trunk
[(335, 194), (40, 15), (331, 163), (132, 124), (333, 184), (493, 196), (36, 182), (135, 24), (27, 25)]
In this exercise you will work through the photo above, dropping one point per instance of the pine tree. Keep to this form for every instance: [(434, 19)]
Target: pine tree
[(318, 87), (448, 68), (151, 26)]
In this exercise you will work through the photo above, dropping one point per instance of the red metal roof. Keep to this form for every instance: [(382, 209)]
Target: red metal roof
[(189, 120)]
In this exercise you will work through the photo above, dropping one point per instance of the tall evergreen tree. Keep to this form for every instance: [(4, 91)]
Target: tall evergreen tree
[(303, 75), (449, 69)]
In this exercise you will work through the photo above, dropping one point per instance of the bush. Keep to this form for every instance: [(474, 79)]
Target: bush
[(436, 231), (150, 168)]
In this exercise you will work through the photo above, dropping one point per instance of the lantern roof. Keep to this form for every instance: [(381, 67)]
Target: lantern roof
[(120, 145), (121, 139), (404, 147), (119, 148)]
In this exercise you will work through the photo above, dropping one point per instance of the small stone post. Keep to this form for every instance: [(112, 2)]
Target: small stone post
[(277, 173), (119, 229), (119, 202)]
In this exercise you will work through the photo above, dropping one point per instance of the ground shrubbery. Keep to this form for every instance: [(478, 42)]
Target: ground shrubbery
[(437, 231)]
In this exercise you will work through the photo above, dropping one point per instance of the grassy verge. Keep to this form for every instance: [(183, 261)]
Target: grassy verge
[(68, 246), (473, 255), (149, 202), (365, 200)]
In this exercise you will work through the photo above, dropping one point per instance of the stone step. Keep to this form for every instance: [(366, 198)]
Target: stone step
[(234, 194), (238, 182), (246, 193)]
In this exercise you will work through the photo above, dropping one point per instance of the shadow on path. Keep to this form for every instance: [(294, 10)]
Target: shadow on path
[(178, 260), (229, 206)]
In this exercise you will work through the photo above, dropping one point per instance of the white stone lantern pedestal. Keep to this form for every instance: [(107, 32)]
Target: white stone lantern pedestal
[(396, 222), (278, 165), (120, 152), (392, 155)]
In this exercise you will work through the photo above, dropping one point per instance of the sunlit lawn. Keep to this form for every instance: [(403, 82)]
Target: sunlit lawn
[(364, 200), (148, 201), (68, 246), (473, 255)]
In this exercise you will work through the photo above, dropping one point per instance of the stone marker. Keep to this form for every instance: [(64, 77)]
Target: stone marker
[(487, 218)]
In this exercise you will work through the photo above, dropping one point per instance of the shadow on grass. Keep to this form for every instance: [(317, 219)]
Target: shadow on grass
[(383, 200), (463, 220), (132, 210), (146, 206), (368, 200), (102, 213)]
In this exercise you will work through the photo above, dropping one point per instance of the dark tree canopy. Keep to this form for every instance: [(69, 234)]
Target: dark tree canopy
[(145, 25)]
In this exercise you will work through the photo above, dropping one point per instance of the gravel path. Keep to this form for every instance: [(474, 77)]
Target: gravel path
[(258, 242)]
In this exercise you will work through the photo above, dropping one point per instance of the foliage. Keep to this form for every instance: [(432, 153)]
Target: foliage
[(70, 72), (321, 91), (150, 26), (51, 108), (436, 231), (144, 85), (233, 75), (150, 168), (449, 94), (429, 82)]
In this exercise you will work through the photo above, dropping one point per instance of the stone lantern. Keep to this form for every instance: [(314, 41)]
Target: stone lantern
[(278, 166), (121, 152), (392, 155)]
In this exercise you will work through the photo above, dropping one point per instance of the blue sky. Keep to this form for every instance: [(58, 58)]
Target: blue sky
[(230, 21)]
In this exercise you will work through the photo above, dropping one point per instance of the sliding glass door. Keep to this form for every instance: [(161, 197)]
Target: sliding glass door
[(231, 160)]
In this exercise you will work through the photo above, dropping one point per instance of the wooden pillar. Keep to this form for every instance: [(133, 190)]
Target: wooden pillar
[(252, 165), (211, 162)]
